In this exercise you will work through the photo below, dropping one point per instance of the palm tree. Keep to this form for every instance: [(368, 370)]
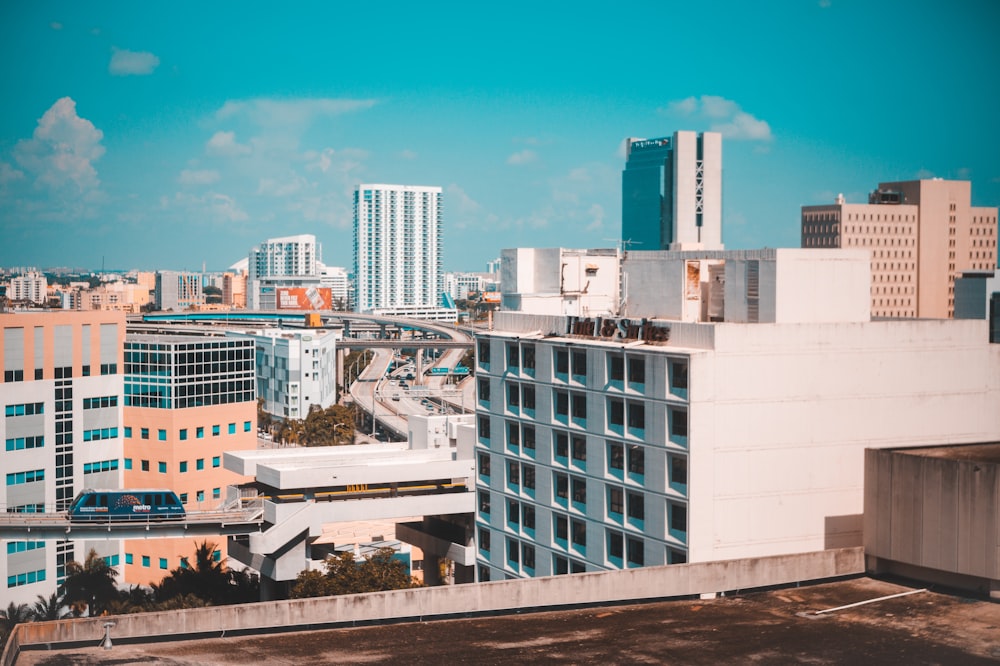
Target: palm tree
[(50, 608), (14, 615), (91, 584)]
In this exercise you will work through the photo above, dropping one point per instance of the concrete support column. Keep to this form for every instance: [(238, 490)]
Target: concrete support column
[(418, 376), (341, 354)]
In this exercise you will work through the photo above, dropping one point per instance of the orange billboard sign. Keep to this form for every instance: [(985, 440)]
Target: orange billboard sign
[(304, 298)]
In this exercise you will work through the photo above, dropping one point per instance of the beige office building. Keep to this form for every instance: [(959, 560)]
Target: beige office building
[(922, 234)]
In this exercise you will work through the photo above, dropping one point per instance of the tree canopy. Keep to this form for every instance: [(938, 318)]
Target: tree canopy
[(333, 426), (90, 585), (377, 572)]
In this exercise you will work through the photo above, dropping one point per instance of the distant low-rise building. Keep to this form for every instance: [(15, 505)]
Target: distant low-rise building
[(31, 287)]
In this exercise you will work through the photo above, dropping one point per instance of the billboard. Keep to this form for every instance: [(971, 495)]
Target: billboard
[(304, 298)]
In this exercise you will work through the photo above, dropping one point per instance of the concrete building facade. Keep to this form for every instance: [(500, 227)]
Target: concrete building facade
[(672, 192), (732, 425), (62, 432), (397, 246), (560, 281), (921, 234), (178, 291), (188, 400), (32, 287)]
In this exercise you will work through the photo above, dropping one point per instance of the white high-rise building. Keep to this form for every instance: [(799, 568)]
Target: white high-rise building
[(29, 287), (397, 246), (290, 256)]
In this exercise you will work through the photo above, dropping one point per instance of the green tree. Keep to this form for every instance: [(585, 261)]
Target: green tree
[(332, 426), (12, 616), (377, 572), (90, 585), (208, 580), (51, 608)]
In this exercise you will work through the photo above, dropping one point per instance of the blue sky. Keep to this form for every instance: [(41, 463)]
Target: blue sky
[(172, 135)]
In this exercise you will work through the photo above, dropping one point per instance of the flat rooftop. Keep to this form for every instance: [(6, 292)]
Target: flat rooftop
[(985, 453), (762, 627)]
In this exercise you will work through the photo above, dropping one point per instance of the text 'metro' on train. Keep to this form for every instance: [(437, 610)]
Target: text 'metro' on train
[(137, 504)]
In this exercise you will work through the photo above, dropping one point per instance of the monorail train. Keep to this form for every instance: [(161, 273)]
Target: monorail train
[(125, 505)]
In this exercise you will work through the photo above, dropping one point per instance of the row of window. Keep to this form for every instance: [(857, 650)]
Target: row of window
[(98, 434), (17, 478), (98, 403), (182, 434), (182, 466), (146, 562), (26, 578), (27, 409), (23, 546), (100, 466), (21, 443)]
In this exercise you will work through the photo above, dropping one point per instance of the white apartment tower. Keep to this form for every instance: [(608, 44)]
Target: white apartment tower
[(290, 256), (29, 287), (397, 246)]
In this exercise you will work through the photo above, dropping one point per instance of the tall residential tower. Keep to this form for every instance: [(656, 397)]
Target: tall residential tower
[(397, 246), (672, 192)]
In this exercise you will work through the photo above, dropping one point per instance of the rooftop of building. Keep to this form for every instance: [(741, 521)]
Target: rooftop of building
[(778, 626), (988, 453)]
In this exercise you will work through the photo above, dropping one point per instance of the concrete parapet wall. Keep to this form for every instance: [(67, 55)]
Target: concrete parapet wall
[(456, 600)]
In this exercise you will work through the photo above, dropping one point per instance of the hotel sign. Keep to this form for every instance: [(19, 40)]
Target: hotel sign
[(618, 329)]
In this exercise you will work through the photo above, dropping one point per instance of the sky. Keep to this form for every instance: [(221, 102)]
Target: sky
[(156, 135)]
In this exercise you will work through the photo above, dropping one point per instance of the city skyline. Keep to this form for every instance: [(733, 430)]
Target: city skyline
[(136, 137)]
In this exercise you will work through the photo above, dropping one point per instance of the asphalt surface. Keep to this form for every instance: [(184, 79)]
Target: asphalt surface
[(776, 627)]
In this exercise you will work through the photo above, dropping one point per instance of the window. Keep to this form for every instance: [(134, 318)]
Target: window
[(678, 375), (528, 516), (579, 490), (199, 464), (616, 503), (484, 390), (561, 484), (616, 545), (184, 498), (162, 467), (145, 560), (678, 423), (528, 357), (636, 415), (560, 565), (579, 533), (678, 470), (183, 466), (247, 427), (484, 427), (200, 433), (562, 403), (616, 367), (579, 363), (513, 474), (562, 362), (616, 457), (528, 396), (513, 396), (528, 439), (144, 433), (513, 513), (561, 444), (579, 406), (128, 558), (513, 357), (636, 460), (17, 478), (161, 435), (183, 434), (637, 370), (678, 517), (580, 450), (232, 428), (200, 496), (676, 556), (215, 461), (513, 435), (513, 552), (484, 465), (528, 476), (484, 503), (561, 527), (163, 563), (144, 465), (484, 353), (216, 430), (616, 412), (128, 432), (527, 556), (636, 507), (636, 555), (484, 539), (128, 463)]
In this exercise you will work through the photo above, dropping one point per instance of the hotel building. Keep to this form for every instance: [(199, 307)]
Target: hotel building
[(672, 192), (62, 431), (187, 400), (397, 247), (921, 234), (723, 413)]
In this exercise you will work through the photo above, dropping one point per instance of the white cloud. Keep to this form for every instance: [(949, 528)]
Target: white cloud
[(9, 174), (198, 177), (924, 174), (723, 115), (272, 187), (212, 206), (407, 155), (289, 112), (62, 149), (460, 201), (522, 157), (132, 63), (224, 144)]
